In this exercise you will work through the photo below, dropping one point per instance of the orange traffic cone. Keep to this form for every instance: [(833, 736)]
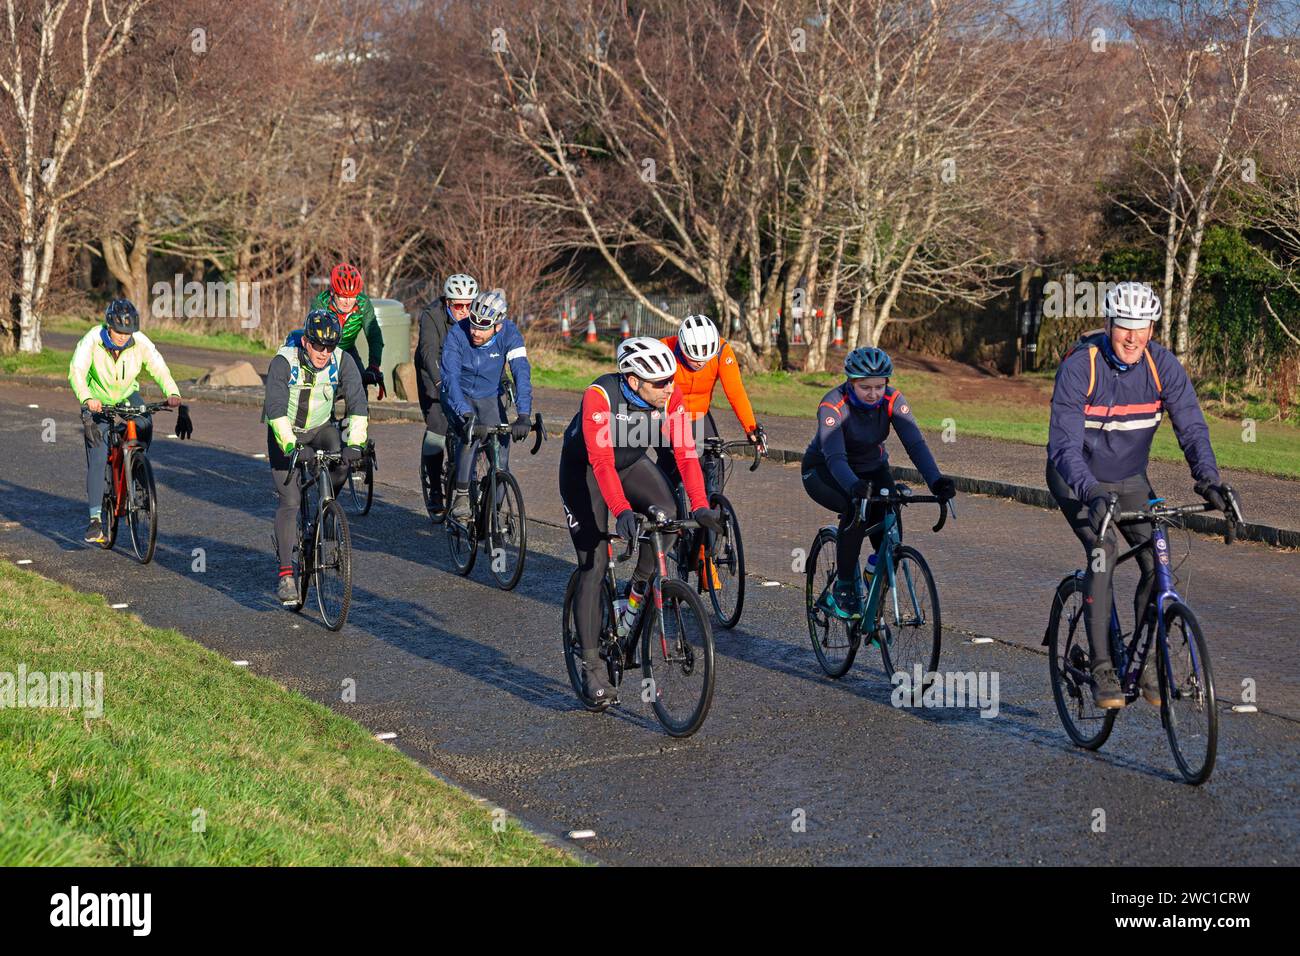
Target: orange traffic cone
[(564, 325), (591, 327), (798, 334), (839, 332), (625, 330)]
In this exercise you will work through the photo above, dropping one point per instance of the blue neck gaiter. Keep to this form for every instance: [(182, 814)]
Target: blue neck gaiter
[(635, 400), (108, 342), (858, 403), (1108, 350)]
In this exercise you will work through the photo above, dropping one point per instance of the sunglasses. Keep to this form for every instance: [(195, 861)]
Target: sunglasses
[(321, 348), (664, 383)]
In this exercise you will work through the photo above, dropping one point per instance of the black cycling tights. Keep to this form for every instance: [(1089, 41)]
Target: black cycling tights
[(826, 491), (588, 515), (1134, 493)]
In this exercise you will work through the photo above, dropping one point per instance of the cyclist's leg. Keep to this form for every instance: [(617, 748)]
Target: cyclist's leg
[(826, 491), (646, 488), (586, 516), (434, 447), (143, 424), (287, 500), (713, 471), (96, 465), (666, 462), (1099, 567), (328, 438)]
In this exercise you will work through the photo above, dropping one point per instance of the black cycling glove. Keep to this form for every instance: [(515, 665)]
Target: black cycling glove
[(627, 525), (708, 519), (184, 427), (1216, 495), (861, 489), (351, 453), (521, 427), (945, 489), (1097, 508)]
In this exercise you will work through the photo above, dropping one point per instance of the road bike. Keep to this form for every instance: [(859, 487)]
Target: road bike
[(672, 632), (900, 612), (129, 490), (1187, 702), (502, 526), (323, 547)]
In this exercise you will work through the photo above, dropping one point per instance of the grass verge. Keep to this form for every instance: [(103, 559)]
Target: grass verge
[(279, 779), (55, 363), (217, 341)]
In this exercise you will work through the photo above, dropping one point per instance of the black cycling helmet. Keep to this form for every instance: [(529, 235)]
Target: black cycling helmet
[(322, 328), (121, 316), (868, 363)]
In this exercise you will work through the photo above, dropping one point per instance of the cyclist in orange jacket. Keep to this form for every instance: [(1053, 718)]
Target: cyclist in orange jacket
[(703, 358)]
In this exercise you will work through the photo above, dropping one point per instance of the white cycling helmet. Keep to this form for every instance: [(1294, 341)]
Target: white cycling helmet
[(459, 288), (647, 358), (1132, 305), (487, 309), (698, 338)]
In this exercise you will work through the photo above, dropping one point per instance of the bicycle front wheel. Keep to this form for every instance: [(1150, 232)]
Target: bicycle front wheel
[(727, 585), (1069, 663), (108, 509), (361, 487), (835, 641), (677, 659), (142, 510), (1187, 688), (507, 537), (908, 620), (332, 565)]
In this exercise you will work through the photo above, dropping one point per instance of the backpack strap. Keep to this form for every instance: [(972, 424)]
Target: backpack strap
[(1154, 374)]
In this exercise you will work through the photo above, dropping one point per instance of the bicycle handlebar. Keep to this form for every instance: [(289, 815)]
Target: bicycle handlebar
[(903, 496), (296, 459), (716, 446), (1152, 515), (126, 410), (645, 527), (483, 431)]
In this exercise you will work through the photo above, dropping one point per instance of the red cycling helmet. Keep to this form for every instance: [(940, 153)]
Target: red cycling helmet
[(345, 280)]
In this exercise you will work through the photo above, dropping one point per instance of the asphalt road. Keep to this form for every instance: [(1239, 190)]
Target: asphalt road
[(790, 767)]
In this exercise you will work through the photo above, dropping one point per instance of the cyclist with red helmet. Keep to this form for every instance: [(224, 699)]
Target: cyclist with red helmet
[(354, 311)]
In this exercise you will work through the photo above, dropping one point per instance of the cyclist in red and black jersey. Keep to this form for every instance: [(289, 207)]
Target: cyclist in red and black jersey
[(604, 468)]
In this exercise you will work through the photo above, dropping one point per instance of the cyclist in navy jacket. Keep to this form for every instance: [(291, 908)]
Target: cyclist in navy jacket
[(846, 459), (474, 356), (1111, 393)]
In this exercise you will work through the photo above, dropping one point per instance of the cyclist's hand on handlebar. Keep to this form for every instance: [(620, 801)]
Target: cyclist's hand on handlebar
[(944, 489), (708, 518), (173, 401), (184, 426), (861, 489), (1216, 495), (1098, 505), (94, 404), (758, 436), (91, 429), (351, 453), (626, 526), (520, 428)]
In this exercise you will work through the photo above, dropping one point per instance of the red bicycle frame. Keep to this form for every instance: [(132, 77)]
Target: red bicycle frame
[(117, 464)]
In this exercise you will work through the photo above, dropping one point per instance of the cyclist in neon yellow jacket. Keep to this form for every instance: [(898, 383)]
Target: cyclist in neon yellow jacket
[(302, 382), (105, 370)]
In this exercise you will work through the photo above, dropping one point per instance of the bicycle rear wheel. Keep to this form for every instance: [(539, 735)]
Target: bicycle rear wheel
[(909, 623), (1190, 712), (835, 641), (142, 511), (728, 558), (332, 565), (573, 643), (1069, 662), (507, 532), (677, 659), (427, 485)]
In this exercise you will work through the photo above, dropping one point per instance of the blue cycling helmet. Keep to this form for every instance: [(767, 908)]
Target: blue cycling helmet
[(322, 328), (122, 317), (868, 363)]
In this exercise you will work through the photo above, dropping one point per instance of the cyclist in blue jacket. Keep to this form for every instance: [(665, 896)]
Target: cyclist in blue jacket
[(847, 458), (474, 356), (1110, 395)]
